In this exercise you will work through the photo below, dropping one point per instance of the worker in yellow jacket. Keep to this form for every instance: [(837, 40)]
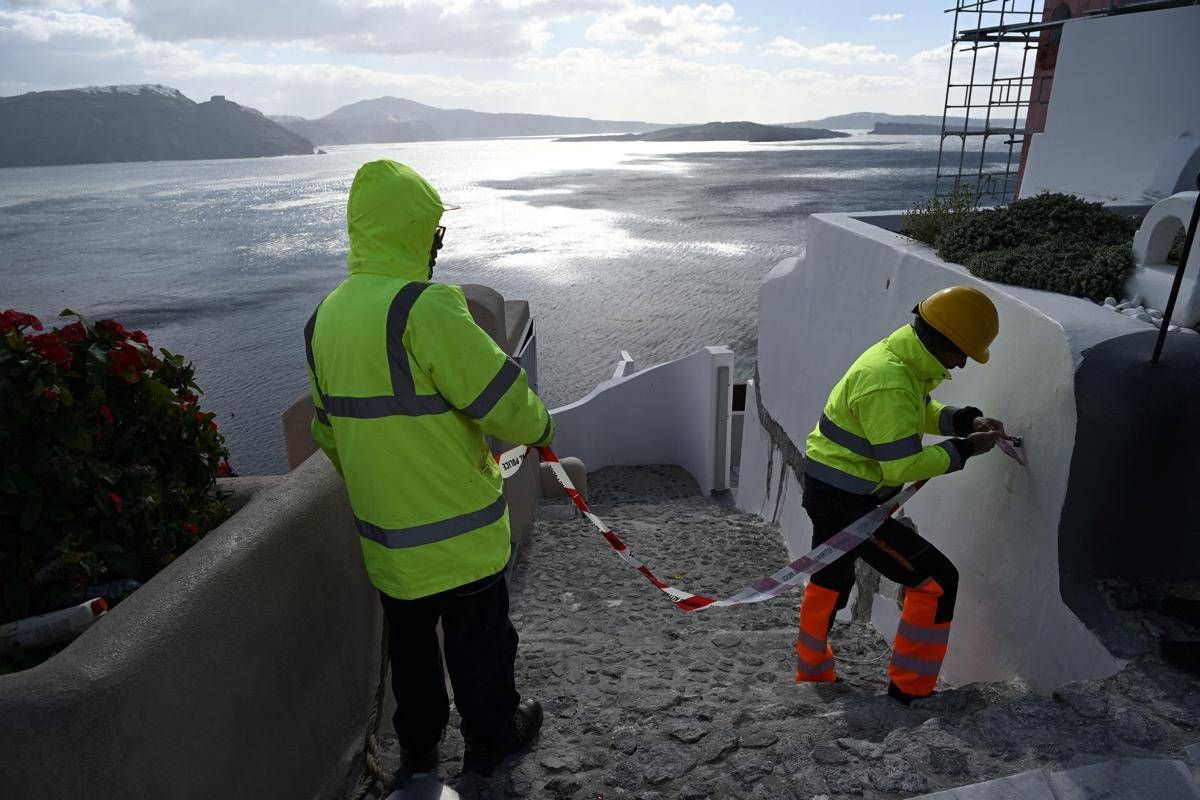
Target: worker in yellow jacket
[(405, 386), (866, 446)]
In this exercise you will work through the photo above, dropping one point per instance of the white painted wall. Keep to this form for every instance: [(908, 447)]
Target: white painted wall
[(1153, 276), (667, 414), (996, 521), (1124, 115)]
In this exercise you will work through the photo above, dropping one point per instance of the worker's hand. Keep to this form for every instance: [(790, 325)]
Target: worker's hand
[(984, 424), (982, 441)]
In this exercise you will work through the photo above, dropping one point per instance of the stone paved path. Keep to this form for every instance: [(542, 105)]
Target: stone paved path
[(643, 701)]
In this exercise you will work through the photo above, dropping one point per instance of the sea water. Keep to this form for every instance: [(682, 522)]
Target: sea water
[(653, 248)]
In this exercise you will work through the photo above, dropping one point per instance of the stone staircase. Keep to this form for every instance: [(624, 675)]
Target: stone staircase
[(1117, 779), (643, 701)]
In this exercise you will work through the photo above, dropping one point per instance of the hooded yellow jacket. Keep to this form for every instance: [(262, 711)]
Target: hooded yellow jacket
[(869, 438), (405, 386)]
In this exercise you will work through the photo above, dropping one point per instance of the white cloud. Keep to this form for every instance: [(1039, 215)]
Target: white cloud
[(469, 28), (938, 55), (821, 82), (47, 25), (831, 53), (107, 6), (886, 17), (46, 49), (683, 29)]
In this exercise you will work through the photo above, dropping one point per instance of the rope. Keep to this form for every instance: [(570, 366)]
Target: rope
[(374, 773)]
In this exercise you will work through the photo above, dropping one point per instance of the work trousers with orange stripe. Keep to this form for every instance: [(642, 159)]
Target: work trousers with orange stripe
[(930, 584)]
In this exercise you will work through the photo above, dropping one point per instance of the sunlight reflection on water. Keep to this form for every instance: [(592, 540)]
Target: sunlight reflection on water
[(654, 248)]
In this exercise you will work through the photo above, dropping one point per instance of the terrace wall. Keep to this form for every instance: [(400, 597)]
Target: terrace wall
[(998, 522)]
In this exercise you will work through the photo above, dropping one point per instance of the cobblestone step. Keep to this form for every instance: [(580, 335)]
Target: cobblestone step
[(1118, 779), (643, 701)]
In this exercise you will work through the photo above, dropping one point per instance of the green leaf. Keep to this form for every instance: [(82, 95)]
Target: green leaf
[(125, 565), (31, 514), (105, 547), (16, 597), (160, 391), (58, 514), (97, 363), (47, 535), (28, 486)]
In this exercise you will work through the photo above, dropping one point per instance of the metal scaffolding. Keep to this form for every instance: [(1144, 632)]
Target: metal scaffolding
[(992, 84)]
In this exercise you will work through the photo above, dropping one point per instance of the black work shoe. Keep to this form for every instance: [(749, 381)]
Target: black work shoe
[(896, 693), (416, 762), (484, 753)]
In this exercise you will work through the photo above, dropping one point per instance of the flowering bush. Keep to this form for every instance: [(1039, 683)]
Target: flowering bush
[(108, 466)]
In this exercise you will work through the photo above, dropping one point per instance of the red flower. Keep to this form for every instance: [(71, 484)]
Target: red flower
[(73, 333), (106, 413), (113, 328), (116, 501), (16, 319), (223, 469), (140, 337), (50, 347), (188, 398), (50, 393), (191, 528), (125, 361)]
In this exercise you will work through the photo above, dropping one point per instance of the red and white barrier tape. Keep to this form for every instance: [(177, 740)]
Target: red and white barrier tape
[(764, 588)]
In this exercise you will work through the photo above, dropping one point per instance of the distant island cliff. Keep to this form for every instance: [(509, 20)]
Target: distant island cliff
[(144, 122), (906, 129), (395, 119), (718, 132)]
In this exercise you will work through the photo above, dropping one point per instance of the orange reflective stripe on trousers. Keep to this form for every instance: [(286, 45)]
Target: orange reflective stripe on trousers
[(814, 656), (920, 644)]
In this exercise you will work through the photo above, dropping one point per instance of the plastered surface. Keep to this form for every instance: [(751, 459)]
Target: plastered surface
[(1122, 121), (666, 414), (998, 522)]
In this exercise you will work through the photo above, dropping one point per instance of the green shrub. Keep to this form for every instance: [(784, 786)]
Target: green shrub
[(108, 466), (970, 234), (926, 220), (1176, 253), (1055, 242), (1076, 269)]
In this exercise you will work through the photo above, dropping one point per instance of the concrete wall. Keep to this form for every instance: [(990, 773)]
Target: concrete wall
[(673, 413), (998, 522), (1123, 124), (243, 670), (1153, 276)]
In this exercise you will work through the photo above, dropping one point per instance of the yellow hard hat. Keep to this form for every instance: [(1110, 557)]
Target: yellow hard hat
[(965, 316)]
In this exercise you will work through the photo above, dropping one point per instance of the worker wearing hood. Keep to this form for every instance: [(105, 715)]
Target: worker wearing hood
[(406, 386)]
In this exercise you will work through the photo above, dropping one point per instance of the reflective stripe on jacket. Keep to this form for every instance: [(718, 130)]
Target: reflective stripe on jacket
[(405, 386), (868, 440)]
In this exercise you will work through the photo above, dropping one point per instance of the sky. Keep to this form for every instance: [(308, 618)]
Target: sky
[(760, 60)]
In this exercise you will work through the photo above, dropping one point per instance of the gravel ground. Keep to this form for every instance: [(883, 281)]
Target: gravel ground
[(643, 701)]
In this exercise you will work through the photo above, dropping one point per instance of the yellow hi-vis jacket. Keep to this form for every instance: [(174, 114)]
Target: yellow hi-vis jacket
[(868, 440), (405, 386)]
